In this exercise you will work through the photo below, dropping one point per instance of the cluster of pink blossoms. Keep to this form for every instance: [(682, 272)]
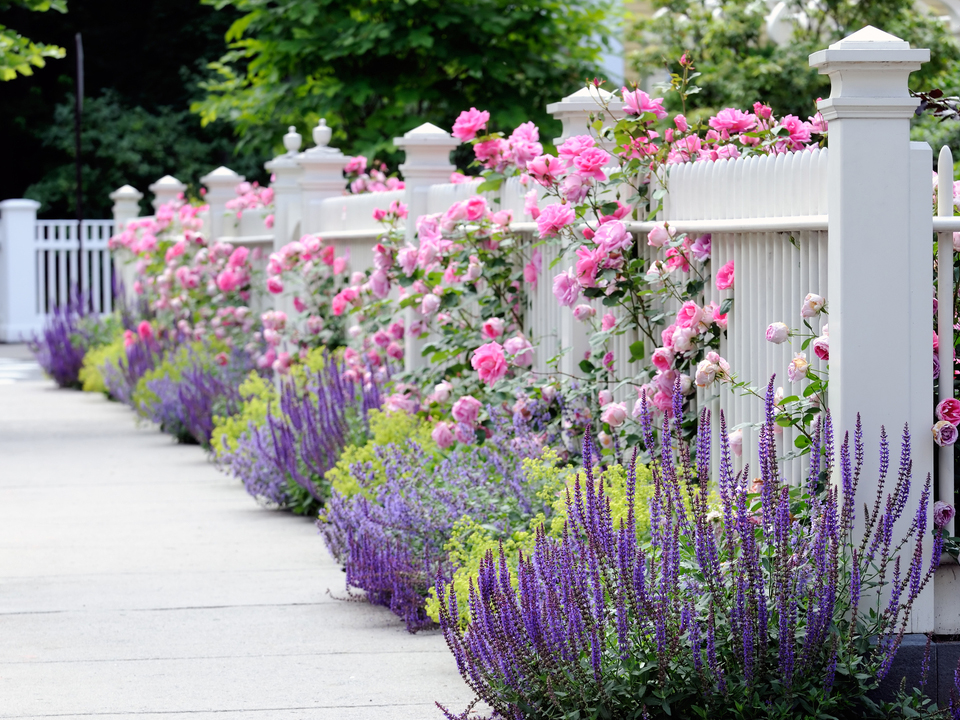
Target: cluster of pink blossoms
[(375, 180), (495, 152), (140, 235), (250, 196)]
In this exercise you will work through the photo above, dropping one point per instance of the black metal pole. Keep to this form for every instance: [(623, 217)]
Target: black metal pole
[(78, 117)]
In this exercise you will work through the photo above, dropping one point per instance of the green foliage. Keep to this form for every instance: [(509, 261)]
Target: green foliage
[(740, 63), (18, 54), (472, 539), (258, 394), (377, 68), (123, 144), (105, 345), (385, 428)]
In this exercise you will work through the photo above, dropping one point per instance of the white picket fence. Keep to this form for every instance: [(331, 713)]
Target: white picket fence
[(772, 215)]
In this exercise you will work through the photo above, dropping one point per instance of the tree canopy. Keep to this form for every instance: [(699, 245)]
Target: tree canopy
[(377, 68), (20, 55)]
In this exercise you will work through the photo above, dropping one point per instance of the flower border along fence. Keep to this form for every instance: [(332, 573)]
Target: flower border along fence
[(771, 216)]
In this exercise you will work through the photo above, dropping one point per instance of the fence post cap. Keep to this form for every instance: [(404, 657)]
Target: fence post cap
[(292, 140), (426, 134), (868, 45), (19, 204), (575, 109), (221, 176), (322, 133), (127, 192), (167, 182)]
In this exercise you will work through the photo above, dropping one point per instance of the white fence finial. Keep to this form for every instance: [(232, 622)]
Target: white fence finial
[(322, 175), (19, 312), (126, 206), (574, 111), (166, 189), (285, 170), (221, 186), (880, 230)]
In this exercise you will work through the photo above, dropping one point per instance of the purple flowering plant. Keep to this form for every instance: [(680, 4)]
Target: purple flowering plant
[(763, 607), (391, 535)]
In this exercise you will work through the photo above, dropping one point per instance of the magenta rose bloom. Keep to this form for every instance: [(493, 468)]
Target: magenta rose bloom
[(949, 410)]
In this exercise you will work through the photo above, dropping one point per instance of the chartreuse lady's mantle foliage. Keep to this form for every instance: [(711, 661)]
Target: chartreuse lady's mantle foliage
[(377, 68), (762, 608)]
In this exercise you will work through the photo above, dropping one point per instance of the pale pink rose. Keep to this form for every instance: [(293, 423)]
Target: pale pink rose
[(689, 315), (574, 188), (614, 414), (339, 265), (282, 364), (821, 347), (407, 258), (613, 237), (574, 146), (441, 391), (663, 401), (489, 362), (812, 305), (546, 169), (607, 322), (530, 204), (660, 235), (566, 288), (382, 257), (520, 350), (466, 409), (442, 435), (662, 358), (379, 284), (314, 324), (503, 218), (430, 304), (492, 328), (474, 270), (725, 276), (469, 123), (458, 178), (777, 333), (949, 410), (553, 218), (605, 397), (605, 440), (944, 433), (398, 402), (798, 367), (683, 339), (735, 439), (676, 259), (943, 513), (583, 312)]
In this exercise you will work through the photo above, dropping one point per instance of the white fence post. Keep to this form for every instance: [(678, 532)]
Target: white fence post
[(574, 113), (165, 190), (221, 186), (126, 206), (426, 162), (322, 176), (286, 190), (880, 258), (19, 315)]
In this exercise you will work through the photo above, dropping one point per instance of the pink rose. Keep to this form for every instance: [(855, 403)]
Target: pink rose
[(659, 235), (733, 121), (777, 333), (442, 435), (821, 347), (942, 513), (574, 188), (379, 214), (489, 362), (229, 280), (339, 304), (681, 122), (689, 315), (583, 312), (469, 123), (608, 322), (465, 434), (492, 328), (430, 304), (520, 350), (798, 367), (530, 207), (637, 102), (441, 391), (944, 433), (145, 331), (591, 162), (566, 288), (553, 218), (605, 397), (395, 350), (274, 285), (614, 414), (380, 284), (408, 260), (612, 237), (475, 208), (574, 146), (466, 409), (588, 263), (299, 305), (238, 257), (546, 169), (700, 248), (949, 410), (736, 442), (314, 324), (662, 359), (725, 276), (812, 306), (339, 265)]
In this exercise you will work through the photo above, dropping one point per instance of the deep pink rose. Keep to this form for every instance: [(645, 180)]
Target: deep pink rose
[(821, 347), (949, 410), (942, 513), (662, 359), (469, 123), (725, 276), (489, 362), (689, 315), (274, 285), (492, 328), (229, 280), (475, 208)]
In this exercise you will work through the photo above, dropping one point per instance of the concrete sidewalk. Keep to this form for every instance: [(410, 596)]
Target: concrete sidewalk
[(136, 581)]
